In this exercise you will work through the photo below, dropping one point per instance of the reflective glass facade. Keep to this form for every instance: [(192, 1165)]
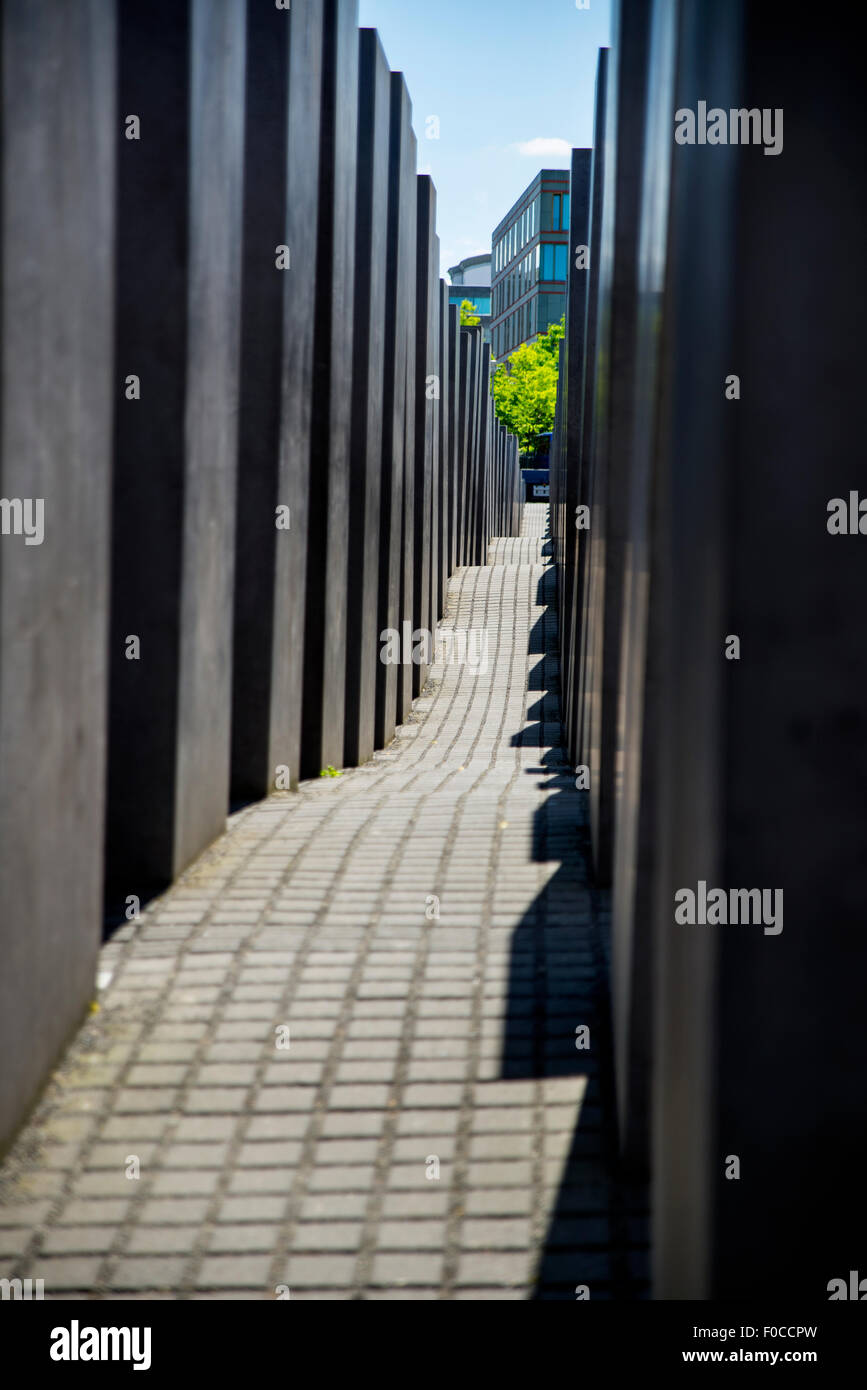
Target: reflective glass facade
[(530, 249)]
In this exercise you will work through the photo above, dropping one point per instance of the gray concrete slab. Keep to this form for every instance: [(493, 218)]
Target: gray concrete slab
[(325, 632), (56, 385), (365, 540), (174, 483)]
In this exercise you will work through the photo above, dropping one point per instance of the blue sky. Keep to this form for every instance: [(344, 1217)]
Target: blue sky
[(499, 75)]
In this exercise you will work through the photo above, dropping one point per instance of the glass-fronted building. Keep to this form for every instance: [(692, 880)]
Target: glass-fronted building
[(471, 279), (530, 250)]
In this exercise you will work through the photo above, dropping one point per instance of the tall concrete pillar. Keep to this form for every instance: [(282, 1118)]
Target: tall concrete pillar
[(630, 708), (588, 482), (371, 245), (759, 1148), (444, 447), (59, 121), (325, 632), (179, 221), (427, 256), (406, 613), (281, 166), (435, 404), (455, 337), (484, 421), (475, 432), (568, 450), (464, 418), (400, 266), (614, 394)]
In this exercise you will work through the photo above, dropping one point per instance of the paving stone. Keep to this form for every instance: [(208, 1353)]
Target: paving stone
[(334, 1206), (252, 1207), (78, 1240), (319, 1236), (184, 1182), (162, 1240), (336, 1151), (411, 1235), (493, 1234), (353, 1178), (407, 1268), (174, 1211), (23, 1214), (234, 1271), (319, 1271), (363, 1123), (75, 1272), (502, 1201), (493, 1268)]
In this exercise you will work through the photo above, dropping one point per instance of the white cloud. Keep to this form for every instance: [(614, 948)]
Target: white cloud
[(543, 148)]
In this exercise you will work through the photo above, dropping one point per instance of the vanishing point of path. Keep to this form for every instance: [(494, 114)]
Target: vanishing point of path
[(339, 1053)]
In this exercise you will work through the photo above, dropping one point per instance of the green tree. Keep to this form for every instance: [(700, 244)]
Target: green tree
[(524, 387), (468, 310)]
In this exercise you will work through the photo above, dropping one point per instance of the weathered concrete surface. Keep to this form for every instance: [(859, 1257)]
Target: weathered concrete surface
[(401, 252), (365, 540), (424, 366), (58, 168), (283, 80), (325, 632), (765, 756), (585, 613), (566, 446), (445, 430), (306, 33), (181, 70)]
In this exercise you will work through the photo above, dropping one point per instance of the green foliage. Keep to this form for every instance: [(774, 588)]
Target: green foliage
[(524, 387), (468, 311)]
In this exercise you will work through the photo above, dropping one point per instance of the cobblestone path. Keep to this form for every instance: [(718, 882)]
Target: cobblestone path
[(421, 933)]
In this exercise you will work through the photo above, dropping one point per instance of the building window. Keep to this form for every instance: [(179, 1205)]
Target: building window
[(560, 212), (550, 311), (554, 261)]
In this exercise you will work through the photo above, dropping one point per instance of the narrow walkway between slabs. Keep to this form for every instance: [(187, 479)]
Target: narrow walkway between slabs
[(338, 1058)]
